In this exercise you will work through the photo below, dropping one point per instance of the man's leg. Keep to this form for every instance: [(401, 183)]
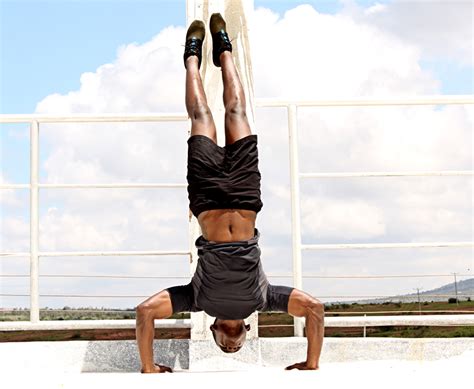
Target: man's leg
[(202, 122), (236, 122)]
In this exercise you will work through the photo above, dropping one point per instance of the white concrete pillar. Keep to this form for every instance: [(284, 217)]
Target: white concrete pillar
[(235, 13)]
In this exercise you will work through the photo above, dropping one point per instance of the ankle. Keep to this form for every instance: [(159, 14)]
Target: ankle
[(192, 60), (225, 55)]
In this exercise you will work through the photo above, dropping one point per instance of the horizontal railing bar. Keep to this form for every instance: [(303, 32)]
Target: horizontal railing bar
[(95, 253), (89, 118), (14, 186), (287, 275), (388, 174), (302, 175), (327, 312), (118, 185), (111, 253), (388, 101), (88, 324), (18, 254), (76, 295), (409, 320), (319, 296), (370, 276), (383, 245), (90, 276), (261, 102)]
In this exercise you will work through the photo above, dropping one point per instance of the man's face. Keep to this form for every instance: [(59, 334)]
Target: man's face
[(230, 335)]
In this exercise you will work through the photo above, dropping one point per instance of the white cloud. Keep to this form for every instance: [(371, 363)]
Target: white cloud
[(303, 55), (63, 231), (144, 78), (345, 217), (440, 29), (8, 197), (314, 55), (15, 234)]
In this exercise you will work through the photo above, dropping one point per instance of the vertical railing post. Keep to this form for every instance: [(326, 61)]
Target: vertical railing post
[(365, 326), (295, 210), (34, 221)]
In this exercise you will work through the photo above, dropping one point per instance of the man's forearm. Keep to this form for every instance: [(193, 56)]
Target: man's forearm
[(145, 333), (315, 335)]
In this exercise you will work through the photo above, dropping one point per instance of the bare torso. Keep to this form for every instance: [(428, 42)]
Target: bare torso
[(227, 225)]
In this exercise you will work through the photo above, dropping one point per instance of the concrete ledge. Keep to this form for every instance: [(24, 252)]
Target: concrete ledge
[(122, 356), (278, 351)]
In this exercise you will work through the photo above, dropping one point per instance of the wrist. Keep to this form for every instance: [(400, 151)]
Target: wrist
[(147, 368), (312, 365)]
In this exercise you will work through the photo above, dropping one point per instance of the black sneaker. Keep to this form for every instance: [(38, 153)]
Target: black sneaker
[(220, 39), (194, 37)]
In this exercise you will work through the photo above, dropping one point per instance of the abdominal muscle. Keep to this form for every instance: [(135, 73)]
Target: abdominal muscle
[(227, 225)]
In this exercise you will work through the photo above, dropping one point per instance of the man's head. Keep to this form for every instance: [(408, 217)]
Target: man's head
[(229, 335)]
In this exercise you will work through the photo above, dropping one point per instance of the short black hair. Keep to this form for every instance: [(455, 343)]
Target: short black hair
[(214, 332)]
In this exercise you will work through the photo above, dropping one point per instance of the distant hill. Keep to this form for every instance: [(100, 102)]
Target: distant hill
[(465, 290)]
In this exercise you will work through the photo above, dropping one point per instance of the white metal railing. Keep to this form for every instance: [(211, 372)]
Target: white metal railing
[(295, 175), (34, 120), (291, 105)]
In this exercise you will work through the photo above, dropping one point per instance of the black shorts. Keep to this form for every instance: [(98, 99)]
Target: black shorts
[(182, 299), (223, 177)]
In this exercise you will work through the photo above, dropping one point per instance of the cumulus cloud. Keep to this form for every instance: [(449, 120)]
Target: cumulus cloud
[(355, 218), (338, 56), (7, 196), (310, 55), (440, 29), (15, 231)]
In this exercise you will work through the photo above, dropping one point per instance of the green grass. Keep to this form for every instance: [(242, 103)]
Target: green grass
[(425, 332), (76, 315), (395, 306)]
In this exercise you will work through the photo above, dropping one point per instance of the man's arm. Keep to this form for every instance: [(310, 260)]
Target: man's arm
[(157, 306), (301, 304)]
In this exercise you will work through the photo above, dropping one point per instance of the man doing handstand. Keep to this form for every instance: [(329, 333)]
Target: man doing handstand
[(224, 193)]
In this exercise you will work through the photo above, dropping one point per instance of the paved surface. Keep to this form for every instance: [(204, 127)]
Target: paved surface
[(451, 372), (351, 363)]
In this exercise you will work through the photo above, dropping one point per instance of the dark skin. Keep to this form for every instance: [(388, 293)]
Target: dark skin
[(225, 225)]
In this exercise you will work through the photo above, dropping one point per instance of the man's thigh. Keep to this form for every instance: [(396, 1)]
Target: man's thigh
[(204, 125), (236, 127)]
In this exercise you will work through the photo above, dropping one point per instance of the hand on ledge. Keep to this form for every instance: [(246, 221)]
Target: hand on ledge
[(157, 369), (302, 366)]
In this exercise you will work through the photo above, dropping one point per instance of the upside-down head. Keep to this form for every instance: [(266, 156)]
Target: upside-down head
[(229, 335)]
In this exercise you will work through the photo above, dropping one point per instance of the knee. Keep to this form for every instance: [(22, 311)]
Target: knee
[(143, 311), (200, 112), (235, 108), (317, 307)]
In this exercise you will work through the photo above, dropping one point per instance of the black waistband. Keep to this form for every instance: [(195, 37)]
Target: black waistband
[(203, 243)]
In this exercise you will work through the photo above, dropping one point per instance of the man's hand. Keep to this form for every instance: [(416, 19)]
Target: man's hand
[(301, 366), (157, 369)]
